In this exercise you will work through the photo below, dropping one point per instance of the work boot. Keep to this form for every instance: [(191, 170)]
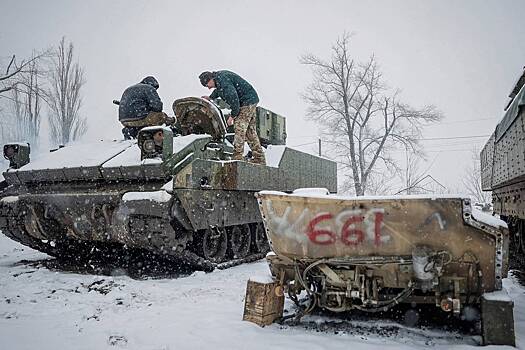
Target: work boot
[(258, 160)]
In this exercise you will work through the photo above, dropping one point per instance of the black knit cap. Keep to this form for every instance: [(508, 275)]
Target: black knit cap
[(205, 77), (151, 81)]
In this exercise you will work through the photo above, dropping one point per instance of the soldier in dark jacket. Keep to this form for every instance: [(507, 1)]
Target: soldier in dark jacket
[(140, 106), (243, 99)]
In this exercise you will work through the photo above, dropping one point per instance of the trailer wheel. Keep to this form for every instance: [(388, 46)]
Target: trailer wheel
[(261, 241), (240, 240), (214, 244)]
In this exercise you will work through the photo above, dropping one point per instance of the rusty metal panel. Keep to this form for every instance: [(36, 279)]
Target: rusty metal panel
[(315, 228), (510, 200)]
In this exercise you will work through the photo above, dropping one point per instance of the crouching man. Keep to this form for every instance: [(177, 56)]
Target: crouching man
[(140, 106), (243, 99)]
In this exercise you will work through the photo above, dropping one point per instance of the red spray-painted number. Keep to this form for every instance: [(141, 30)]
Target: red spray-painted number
[(322, 237), (350, 233), (377, 227)]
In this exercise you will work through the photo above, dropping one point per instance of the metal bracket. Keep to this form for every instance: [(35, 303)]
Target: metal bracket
[(497, 235)]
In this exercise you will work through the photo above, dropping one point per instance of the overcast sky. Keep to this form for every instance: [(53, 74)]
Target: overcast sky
[(462, 57)]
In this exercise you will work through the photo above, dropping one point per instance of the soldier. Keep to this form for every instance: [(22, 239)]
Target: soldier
[(140, 106), (243, 99)]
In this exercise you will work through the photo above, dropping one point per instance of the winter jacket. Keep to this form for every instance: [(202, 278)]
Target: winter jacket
[(234, 90), (140, 99)]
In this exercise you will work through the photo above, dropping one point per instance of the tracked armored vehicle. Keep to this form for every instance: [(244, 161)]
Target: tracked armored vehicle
[(372, 254), (179, 196), (503, 170)]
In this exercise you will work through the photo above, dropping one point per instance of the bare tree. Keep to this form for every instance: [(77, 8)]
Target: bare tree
[(22, 98), (26, 100), (363, 119), (472, 180), (63, 97), (15, 71), (417, 181)]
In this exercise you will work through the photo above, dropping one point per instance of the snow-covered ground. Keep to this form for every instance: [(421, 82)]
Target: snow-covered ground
[(44, 308)]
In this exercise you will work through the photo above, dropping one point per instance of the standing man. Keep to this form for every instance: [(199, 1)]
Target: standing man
[(140, 106), (243, 99)]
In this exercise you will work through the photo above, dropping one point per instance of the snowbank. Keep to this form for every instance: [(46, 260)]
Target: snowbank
[(56, 309)]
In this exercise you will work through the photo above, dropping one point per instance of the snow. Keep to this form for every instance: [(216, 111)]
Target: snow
[(184, 160), (156, 196), (9, 199), (156, 127), (180, 142), (18, 143), (274, 154), (316, 193), (313, 191), (499, 295), (262, 278), (168, 186), (105, 152), (131, 156), (79, 154), (488, 219), (43, 308)]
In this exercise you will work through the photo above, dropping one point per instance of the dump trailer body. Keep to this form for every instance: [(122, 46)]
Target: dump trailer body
[(373, 253), (377, 229)]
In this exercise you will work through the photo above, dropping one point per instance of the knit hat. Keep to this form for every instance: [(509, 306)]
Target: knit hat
[(151, 81), (205, 77)]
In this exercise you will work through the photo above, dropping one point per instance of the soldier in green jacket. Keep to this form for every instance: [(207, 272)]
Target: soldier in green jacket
[(243, 99)]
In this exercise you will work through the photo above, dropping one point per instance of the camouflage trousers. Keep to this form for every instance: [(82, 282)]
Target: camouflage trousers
[(152, 119), (245, 131)]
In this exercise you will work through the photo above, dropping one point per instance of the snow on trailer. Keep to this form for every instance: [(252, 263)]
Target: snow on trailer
[(373, 253)]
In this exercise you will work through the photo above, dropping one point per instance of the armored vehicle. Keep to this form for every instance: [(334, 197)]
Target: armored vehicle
[(180, 196), (503, 170), (373, 253)]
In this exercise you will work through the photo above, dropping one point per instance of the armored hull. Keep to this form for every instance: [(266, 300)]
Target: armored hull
[(183, 199), (503, 170)]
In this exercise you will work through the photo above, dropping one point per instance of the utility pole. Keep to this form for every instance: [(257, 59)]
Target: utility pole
[(319, 147)]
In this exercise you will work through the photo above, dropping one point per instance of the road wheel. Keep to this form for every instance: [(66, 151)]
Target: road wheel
[(261, 241), (214, 244), (240, 240)]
